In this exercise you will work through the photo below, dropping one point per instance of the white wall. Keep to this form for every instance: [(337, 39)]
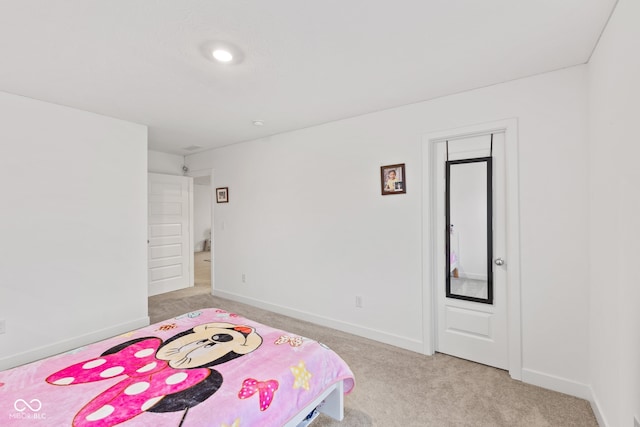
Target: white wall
[(614, 89), (201, 215), (73, 246), (169, 164), (307, 225)]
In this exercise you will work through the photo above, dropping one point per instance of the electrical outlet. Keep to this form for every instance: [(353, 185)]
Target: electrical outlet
[(358, 301), (244, 278), (636, 423), (3, 327)]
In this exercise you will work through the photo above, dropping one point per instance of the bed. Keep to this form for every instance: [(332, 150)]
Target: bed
[(205, 368)]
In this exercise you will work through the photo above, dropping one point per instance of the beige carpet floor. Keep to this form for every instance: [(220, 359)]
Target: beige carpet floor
[(396, 387), (202, 268)]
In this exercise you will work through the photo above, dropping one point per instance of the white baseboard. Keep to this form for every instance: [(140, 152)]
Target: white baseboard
[(552, 382), (595, 406), (71, 343), (373, 334), (566, 386)]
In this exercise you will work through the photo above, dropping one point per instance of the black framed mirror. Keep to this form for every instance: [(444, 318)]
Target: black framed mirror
[(469, 230)]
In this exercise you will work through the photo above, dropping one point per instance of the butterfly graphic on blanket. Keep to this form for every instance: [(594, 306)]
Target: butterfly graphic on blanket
[(293, 341), (158, 376)]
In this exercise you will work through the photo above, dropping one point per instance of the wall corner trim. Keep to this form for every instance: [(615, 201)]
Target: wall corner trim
[(555, 383), (596, 408), (566, 386)]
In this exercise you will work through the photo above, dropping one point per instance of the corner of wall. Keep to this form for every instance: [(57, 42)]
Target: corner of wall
[(596, 408), (165, 163)]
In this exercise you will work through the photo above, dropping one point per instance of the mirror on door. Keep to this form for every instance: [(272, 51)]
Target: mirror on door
[(469, 237)]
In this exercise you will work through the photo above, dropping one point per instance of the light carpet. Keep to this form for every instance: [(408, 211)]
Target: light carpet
[(396, 387)]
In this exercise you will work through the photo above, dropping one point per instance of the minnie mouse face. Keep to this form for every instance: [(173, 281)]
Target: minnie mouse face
[(208, 345), (193, 352)]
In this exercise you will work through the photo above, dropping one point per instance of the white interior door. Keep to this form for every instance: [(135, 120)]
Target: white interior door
[(170, 232), (466, 328)]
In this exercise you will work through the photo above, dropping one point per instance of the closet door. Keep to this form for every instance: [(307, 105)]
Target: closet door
[(170, 252), (472, 286)]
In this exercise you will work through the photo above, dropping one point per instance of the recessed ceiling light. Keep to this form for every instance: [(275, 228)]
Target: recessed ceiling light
[(258, 122), (222, 55), (222, 52)]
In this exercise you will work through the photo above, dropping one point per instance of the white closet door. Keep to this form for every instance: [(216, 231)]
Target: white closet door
[(170, 251), (467, 329)]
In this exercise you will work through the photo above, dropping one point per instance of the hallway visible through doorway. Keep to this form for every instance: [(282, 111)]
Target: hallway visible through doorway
[(202, 267)]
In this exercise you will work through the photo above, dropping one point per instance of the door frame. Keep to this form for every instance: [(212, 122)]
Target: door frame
[(512, 255), (210, 174)]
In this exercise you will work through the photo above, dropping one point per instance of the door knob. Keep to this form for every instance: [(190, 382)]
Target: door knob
[(499, 261)]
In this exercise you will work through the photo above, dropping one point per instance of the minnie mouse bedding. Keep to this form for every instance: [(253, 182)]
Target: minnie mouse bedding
[(205, 368)]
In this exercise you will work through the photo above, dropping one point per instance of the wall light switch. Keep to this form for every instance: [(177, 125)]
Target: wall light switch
[(358, 301), (3, 327)]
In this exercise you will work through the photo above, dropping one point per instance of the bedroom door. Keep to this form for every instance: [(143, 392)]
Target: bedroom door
[(170, 251), (471, 232)]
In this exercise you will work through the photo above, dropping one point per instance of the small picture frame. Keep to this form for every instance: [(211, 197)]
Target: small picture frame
[(222, 195), (393, 179)]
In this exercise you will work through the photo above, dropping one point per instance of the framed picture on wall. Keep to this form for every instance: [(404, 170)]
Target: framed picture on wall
[(392, 179), (222, 195)]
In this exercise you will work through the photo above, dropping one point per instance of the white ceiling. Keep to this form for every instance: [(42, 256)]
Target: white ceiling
[(305, 62)]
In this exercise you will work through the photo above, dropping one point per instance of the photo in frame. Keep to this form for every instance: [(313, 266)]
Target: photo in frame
[(392, 179), (222, 195)]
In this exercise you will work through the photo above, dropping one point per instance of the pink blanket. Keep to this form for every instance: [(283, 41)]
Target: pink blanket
[(205, 368)]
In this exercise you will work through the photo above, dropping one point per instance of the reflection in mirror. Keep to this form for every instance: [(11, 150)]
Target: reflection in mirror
[(469, 232)]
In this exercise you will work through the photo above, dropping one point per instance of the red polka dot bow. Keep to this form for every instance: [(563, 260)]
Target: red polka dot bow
[(266, 388)]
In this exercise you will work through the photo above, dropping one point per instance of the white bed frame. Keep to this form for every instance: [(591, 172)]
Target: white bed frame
[(333, 406)]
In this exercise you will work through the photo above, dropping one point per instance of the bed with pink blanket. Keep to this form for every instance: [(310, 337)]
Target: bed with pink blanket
[(205, 368)]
